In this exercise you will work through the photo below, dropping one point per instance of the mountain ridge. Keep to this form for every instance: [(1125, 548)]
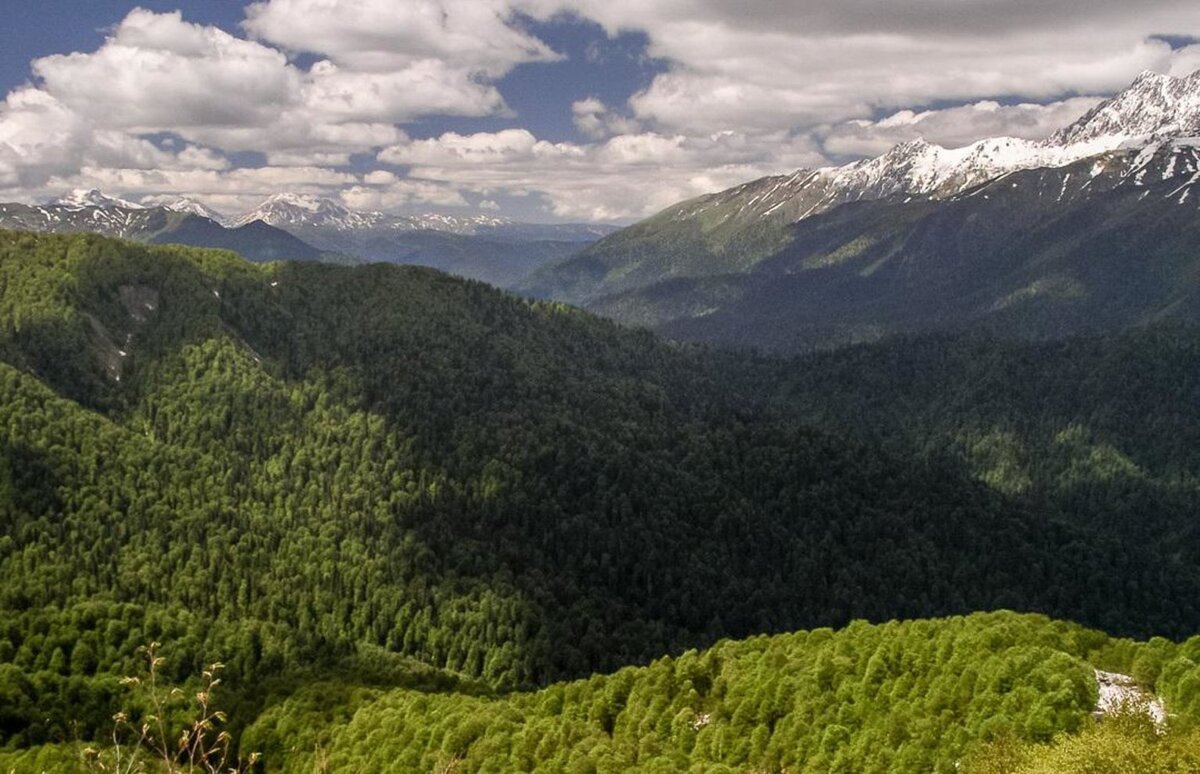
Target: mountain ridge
[(175, 223), (731, 240)]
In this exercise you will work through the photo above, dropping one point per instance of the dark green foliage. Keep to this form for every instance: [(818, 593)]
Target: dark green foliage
[(277, 466), (1097, 431)]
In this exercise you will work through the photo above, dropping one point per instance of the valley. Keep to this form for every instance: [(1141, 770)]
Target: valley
[(566, 387)]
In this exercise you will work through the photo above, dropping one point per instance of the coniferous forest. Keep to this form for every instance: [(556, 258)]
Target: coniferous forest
[(428, 526)]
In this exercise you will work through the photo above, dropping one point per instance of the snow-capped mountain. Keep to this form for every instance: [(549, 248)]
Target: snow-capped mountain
[(1154, 109), (183, 204), (93, 197), (1128, 170), (308, 213), (304, 211), (177, 221), (493, 249)]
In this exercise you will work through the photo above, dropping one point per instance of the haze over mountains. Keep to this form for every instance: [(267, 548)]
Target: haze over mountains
[(1024, 236), (306, 228), (496, 250)]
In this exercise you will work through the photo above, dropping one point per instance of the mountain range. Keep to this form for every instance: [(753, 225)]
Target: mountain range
[(497, 250), (174, 221), (1093, 228)]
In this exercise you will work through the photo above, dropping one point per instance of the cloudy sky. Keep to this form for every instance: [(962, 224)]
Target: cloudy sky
[(598, 110)]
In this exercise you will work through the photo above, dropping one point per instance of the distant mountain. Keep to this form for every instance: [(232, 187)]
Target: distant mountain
[(178, 222), (493, 249), (301, 211), (184, 204), (93, 197), (285, 210), (923, 237)]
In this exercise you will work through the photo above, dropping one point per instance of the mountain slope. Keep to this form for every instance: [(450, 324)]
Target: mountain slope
[(311, 457), (175, 223), (923, 237), (1105, 244)]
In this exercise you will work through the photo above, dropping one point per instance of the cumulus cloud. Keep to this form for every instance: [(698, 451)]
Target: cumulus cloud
[(763, 65), (158, 71), (88, 115), (954, 127), (401, 193), (624, 177), (385, 36), (747, 89), (229, 190), (596, 120), (40, 137)]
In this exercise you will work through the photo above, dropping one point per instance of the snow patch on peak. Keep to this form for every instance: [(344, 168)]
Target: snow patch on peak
[(93, 197), (304, 212), (307, 202), (1154, 107), (183, 204)]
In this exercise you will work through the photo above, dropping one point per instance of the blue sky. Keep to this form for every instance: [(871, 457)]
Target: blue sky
[(545, 110), (539, 93)]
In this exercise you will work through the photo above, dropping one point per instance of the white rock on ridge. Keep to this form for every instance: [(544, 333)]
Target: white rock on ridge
[(1121, 692)]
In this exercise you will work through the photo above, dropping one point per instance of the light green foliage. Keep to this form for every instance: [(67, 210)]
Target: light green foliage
[(1125, 744), (900, 697)]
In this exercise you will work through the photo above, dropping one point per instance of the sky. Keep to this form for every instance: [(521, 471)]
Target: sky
[(540, 110)]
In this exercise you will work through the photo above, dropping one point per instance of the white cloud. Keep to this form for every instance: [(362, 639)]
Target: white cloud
[(625, 177), (1185, 61), (421, 88), (596, 120), (40, 137), (387, 35), (156, 71), (401, 193), (762, 65)]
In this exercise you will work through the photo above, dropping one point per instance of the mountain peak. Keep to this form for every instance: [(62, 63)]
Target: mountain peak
[(183, 204), (288, 209), (1154, 107), (306, 202), (1149, 77), (93, 197)]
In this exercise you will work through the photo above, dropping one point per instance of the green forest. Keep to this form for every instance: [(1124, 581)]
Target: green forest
[(413, 516)]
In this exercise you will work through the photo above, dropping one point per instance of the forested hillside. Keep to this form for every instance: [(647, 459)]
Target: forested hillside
[(294, 468), (1103, 431), (921, 696)]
